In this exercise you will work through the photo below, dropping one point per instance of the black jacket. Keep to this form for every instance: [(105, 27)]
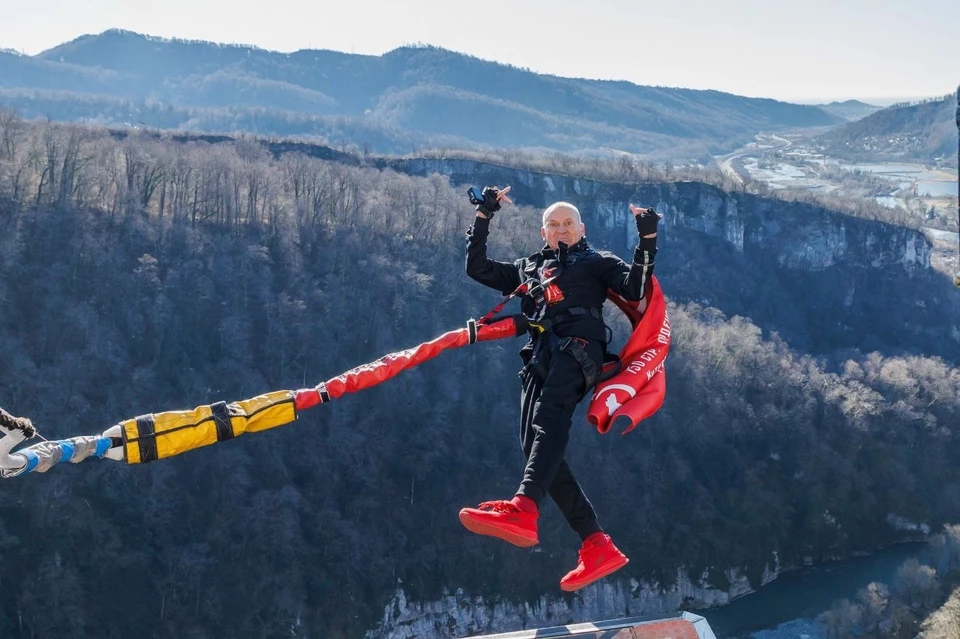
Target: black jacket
[(583, 275)]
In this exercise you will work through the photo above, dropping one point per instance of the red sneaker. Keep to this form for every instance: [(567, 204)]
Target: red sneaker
[(503, 520), (598, 558)]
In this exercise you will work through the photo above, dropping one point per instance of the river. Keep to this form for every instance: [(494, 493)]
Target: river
[(786, 607)]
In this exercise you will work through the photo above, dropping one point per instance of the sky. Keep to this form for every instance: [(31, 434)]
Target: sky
[(880, 51)]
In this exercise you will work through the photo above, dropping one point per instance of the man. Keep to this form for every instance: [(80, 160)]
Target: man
[(567, 282)]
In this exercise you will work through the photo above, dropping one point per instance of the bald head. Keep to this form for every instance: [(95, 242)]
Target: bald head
[(561, 223), (561, 206)]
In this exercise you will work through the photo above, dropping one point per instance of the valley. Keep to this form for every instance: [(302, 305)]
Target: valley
[(926, 196)]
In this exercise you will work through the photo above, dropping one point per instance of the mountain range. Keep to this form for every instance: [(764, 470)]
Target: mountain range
[(411, 96)]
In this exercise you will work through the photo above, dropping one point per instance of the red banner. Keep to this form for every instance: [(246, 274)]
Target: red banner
[(638, 390)]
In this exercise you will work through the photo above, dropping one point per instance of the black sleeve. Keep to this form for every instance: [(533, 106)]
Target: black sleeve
[(502, 276), (630, 281)]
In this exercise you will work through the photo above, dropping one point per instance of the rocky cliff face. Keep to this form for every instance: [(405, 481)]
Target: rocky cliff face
[(458, 614), (800, 235)]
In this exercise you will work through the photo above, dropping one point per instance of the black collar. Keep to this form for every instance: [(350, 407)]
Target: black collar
[(582, 245), (563, 251)]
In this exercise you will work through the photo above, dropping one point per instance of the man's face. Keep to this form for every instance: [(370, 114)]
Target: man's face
[(562, 225)]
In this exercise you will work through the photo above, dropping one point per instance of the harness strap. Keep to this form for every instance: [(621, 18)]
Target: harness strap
[(520, 290), (585, 310), (146, 438), (523, 289), (324, 394), (573, 311), (221, 418), (574, 347)]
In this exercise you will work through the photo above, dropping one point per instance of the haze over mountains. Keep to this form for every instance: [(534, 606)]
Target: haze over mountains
[(412, 96), (849, 109)]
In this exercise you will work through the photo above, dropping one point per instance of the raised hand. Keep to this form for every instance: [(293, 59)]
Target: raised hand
[(492, 197), (647, 220)]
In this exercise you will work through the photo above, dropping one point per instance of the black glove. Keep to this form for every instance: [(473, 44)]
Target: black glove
[(489, 204), (22, 424), (647, 222)]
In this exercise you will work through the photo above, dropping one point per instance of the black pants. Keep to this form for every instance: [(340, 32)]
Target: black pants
[(547, 403)]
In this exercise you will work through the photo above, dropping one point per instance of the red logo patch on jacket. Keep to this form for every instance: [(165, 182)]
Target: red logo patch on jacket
[(552, 294)]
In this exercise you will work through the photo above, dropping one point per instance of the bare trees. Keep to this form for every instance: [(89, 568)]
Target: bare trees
[(179, 191), (841, 621), (144, 173), (304, 179), (59, 156), (12, 133), (917, 583), (227, 184), (877, 612)]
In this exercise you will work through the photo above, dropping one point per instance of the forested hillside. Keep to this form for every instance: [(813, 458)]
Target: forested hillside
[(411, 97), (924, 131), (141, 273)]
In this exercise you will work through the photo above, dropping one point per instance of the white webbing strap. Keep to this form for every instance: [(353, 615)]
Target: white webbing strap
[(11, 465)]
